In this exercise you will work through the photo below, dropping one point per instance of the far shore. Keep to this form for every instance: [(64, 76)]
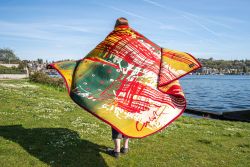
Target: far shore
[(239, 115)]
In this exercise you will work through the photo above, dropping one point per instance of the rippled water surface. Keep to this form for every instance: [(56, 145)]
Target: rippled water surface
[(217, 93)]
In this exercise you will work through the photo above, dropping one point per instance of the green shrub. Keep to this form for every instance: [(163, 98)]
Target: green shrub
[(11, 70), (43, 78)]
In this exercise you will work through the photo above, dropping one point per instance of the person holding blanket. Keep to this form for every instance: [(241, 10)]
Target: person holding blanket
[(130, 83)]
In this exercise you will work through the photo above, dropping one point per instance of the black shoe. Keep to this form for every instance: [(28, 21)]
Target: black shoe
[(124, 150), (113, 153)]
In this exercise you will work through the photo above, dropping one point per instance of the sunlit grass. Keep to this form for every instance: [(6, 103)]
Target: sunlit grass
[(41, 126)]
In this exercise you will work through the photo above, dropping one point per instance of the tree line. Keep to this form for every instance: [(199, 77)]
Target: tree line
[(8, 56), (239, 65)]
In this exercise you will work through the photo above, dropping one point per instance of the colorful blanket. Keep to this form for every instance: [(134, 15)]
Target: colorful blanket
[(129, 82)]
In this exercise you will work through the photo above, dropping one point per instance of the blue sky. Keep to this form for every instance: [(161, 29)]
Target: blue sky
[(69, 29)]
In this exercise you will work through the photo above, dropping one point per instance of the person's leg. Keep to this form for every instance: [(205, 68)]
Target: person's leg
[(117, 145), (126, 140), (124, 149), (116, 137)]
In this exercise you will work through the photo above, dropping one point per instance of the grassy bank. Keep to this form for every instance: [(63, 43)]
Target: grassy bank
[(41, 126)]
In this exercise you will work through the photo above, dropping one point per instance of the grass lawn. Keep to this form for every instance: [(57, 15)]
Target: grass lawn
[(41, 126)]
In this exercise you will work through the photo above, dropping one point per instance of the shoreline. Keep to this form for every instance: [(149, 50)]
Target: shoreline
[(239, 115)]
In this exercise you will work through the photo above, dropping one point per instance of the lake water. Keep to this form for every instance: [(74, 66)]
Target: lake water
[(217, 93)]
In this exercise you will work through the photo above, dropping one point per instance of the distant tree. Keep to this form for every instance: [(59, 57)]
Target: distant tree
[(245, 69), (247, 62), (40, 61), (22, 64), (7, 55)]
